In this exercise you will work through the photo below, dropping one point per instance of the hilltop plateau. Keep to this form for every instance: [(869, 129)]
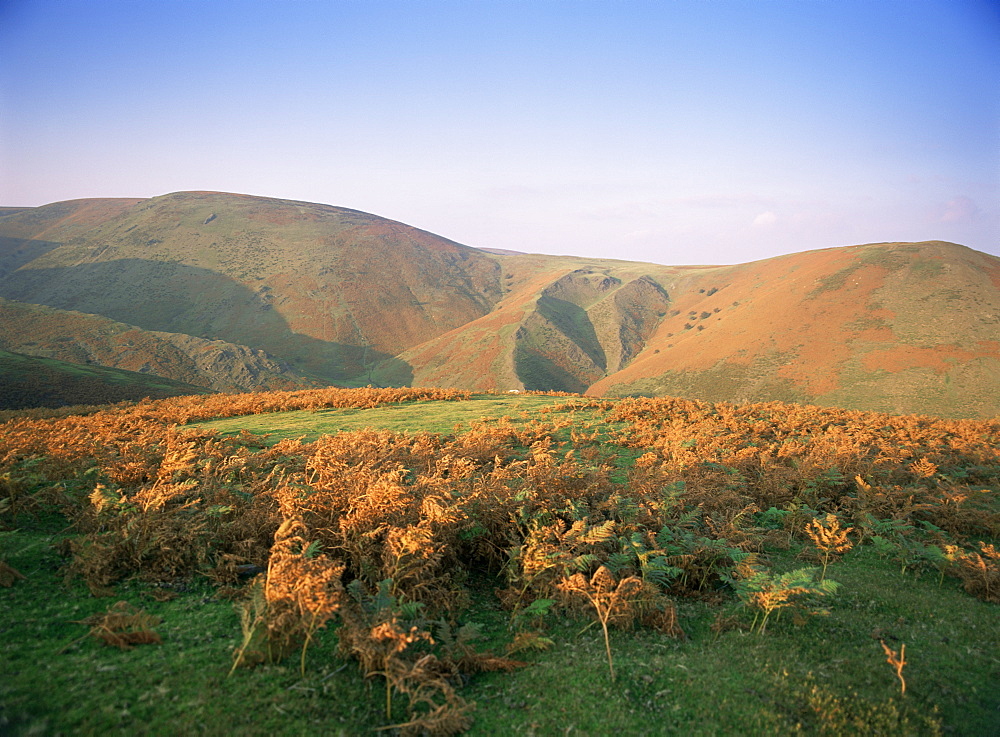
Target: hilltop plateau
[(300, 292)]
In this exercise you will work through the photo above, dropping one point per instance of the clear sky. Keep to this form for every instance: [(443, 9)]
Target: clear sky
[(673, 131)]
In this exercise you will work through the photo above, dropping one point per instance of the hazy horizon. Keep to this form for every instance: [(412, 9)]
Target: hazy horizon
[(686, 132)]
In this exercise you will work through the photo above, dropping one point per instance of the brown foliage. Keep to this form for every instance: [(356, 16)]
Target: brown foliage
[(410, 518), (9, 575), (124, 627), (979, 572)]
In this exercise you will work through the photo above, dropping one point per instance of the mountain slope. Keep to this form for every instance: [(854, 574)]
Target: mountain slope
[(75, 337), (30, 381), (890, 327), (563, 324), (309, 283), (346, 297)]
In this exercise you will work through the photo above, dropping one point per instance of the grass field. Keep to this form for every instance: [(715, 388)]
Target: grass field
[(404, 417), (817, 669)]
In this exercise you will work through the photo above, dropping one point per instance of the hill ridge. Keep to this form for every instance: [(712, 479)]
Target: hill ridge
[(347, 297)]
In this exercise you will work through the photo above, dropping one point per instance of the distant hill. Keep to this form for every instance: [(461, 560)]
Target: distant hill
[(75, 337), (894, 327), (326, 289), (333, 295), (28, 381), (902, 328)]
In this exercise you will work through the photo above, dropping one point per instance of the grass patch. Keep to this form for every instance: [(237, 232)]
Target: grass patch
[(55, 679), (825, 675), (406, 417)]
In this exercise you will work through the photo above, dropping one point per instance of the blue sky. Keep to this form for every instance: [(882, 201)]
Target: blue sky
[(677, 131)]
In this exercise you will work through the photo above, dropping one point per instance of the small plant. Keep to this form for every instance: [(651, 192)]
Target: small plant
[(124, 627), (301, 592), (897, 661), (829, 538), (980, 572), (612, 601), (766, 593), (923, 468)]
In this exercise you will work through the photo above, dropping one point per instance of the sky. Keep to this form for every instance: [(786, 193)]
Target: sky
[(674, 131)]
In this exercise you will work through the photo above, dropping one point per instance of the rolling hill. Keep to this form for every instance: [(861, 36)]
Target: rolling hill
[(79, 338), (899, 328), (30, 381), (310, 284), (333, 295)]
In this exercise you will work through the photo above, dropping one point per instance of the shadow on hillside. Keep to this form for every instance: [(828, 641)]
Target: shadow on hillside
[(16, 252), (178, 298), (574, 322)]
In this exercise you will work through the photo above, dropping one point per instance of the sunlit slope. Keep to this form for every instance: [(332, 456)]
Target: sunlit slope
[(329, 289), (76, 337), (890, 327), (563, 324), (340, 296)]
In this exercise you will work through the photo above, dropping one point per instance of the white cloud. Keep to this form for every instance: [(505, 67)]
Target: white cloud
[(765, 219), (959, 210)]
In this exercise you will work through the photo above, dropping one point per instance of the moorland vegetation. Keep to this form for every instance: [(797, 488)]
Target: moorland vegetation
[(766, 567)]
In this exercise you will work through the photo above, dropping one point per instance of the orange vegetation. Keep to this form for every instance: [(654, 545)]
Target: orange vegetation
[(939, 358), (363, 526)]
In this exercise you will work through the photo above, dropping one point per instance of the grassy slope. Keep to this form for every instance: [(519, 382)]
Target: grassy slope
[(304, 282), (825, 675), (888, 327), (514, 345), (75, 337), (29, 381)]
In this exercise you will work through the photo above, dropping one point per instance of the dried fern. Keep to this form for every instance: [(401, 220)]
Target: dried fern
[(123, 627), (611, 600), (829, 538)]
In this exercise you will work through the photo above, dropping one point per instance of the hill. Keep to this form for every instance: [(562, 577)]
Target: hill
[(29, 381), (344, 297), (311, 284), (888, 327), (75, 337), (903, 328)]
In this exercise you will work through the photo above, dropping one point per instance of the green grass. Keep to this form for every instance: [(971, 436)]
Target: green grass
[(826, 674), (432, 416), (56, 679)]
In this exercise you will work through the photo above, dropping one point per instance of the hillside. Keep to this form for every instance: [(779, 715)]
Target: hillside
[(563, 324), (29, 381), (344, 297), (899, 328), (888, 327), (75, 337), (311, 284)]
